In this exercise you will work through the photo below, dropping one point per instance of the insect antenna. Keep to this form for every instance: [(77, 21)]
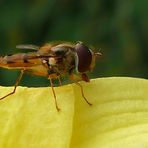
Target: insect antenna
[(52, 87), (82, 92), (16, 84), (98, 54)]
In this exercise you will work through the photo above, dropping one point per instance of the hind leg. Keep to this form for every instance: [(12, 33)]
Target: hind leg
[(16, 84)]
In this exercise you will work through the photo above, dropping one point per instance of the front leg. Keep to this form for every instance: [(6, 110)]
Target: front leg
[(54, 94), (78, 77), (52, 74)]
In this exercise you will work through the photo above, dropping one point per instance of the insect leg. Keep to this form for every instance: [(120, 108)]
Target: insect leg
[(52, 87), (82, 92), (59, 79), (16, 84)]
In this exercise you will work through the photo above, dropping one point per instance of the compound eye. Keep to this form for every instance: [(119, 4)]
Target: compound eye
[(84, 57)]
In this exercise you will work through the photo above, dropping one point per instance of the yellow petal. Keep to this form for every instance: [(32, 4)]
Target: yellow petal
[(117, 118), (29, 119)]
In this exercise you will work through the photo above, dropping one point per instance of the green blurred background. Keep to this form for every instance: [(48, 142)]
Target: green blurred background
[(118, 27)]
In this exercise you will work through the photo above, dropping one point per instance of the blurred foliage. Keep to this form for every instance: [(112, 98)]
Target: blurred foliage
[(119, 28)]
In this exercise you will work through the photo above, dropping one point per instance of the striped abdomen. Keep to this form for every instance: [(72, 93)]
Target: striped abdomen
[(18, 61)]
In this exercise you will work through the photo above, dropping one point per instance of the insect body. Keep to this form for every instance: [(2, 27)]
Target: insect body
[(53, 61)]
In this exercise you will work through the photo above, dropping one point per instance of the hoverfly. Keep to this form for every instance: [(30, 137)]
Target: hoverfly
[(53, 60)]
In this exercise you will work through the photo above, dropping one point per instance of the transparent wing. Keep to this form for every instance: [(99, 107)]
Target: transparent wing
[(27, 46)]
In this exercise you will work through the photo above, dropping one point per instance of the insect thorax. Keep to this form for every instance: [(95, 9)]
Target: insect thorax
[(62, 62)]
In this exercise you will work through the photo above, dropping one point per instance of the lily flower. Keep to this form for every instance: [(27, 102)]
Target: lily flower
[(117, 118)]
